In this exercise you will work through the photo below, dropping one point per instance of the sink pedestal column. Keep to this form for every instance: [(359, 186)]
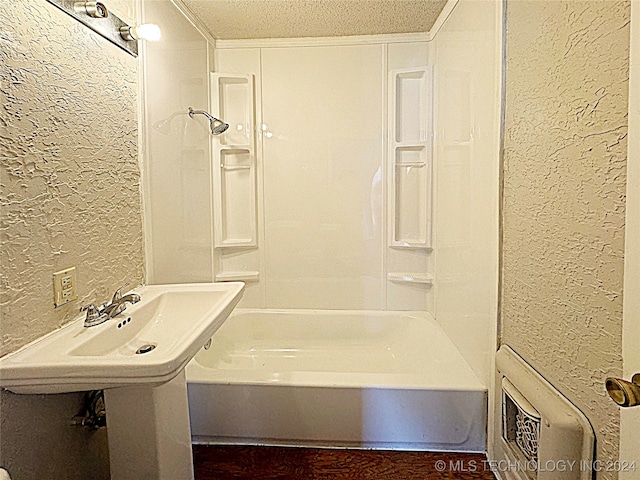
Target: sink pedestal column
[(149, 432)]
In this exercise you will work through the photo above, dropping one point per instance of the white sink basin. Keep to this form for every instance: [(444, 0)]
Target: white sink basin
[(176, 320)]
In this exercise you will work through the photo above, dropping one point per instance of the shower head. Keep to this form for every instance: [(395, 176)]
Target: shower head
[(217, 125), (218, 129)]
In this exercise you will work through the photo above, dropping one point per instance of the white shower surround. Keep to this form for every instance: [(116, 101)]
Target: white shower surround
[(183, 220), (180, 224)]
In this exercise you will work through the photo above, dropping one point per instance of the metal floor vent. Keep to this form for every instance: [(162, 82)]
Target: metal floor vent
[(520, 426), (542, 435)]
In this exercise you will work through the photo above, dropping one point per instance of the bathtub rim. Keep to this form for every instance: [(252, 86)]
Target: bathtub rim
[(198, 373)]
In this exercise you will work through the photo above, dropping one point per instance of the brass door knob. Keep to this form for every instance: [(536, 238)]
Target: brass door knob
[(624, 393)]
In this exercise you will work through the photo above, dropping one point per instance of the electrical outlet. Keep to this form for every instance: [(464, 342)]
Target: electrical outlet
[(64, 286)]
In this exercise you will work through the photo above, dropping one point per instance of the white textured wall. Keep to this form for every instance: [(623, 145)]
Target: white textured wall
[(70, 196), (564, 198), (70, 178)]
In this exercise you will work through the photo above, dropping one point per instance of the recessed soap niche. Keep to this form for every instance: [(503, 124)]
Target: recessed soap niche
[(412, 200), (409, 188), (236, 212), (235, 264), (235, 178), (235, 104), (410, 160), (409, 90)]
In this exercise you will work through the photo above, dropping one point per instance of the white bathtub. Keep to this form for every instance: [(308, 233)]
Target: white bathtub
[(336, 379)]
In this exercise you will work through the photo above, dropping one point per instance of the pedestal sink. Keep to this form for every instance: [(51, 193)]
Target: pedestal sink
[(138, 358)]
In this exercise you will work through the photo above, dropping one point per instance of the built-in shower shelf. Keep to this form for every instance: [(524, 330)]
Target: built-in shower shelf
[(233, 146), (239, 244), (411, 246), (402, 277), (237, 276), (409, 159), (411, 145)]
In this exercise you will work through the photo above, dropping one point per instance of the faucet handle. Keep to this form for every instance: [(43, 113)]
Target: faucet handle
[(91, 309), (118, 293), (94, 315)]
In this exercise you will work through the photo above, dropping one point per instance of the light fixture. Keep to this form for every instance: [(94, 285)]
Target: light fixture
[(93, 9), (146, 31), (96, 16)]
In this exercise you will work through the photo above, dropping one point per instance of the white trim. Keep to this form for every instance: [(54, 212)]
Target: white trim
[(442, 18), (384, 174), (407, 277), (195, 21), (324, 41), (237, 277), (630, 417), (493, 423), (212, 213), (143, 152)]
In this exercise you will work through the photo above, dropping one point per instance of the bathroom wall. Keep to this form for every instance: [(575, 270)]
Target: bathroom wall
[(176, 157), (567, 66), (323, 229), (467, 139), (70, 176), (322, 175), (630, 417), (70, 196)]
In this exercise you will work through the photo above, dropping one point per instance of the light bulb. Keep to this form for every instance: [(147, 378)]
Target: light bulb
[(146, 31)]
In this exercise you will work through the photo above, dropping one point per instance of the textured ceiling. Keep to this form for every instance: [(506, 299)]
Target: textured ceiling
[(247, 19)]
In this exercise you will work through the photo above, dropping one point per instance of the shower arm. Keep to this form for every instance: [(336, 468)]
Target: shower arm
[(211, 118)]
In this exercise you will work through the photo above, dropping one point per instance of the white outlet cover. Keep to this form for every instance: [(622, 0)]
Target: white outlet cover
[(64, 286)]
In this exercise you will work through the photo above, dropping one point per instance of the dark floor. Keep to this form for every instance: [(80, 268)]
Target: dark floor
[(270, 463)]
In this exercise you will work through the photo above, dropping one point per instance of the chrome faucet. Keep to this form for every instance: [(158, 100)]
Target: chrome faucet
[(98, 315), (119, 305)]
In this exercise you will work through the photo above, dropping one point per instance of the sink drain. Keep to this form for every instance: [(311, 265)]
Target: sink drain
[(145, 348)]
